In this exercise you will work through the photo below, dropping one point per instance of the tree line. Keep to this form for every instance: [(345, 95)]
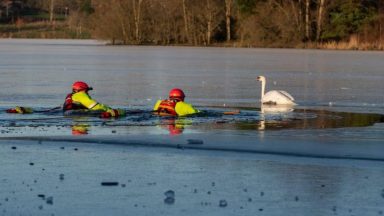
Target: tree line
[(243, 23)]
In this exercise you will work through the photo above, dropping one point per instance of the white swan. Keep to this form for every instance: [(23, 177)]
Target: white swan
[(274, 97)]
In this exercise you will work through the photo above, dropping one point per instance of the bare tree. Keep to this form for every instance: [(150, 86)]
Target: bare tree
[(320, 19), (381, 21), (228, 7), (120, 12), (307, 22), (110, 21), (206, 16), (51, 10), (296, 12), (186, 24), (209, 22), (137, 18)]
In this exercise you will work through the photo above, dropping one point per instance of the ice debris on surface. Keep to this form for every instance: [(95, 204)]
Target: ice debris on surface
[(170, 197)]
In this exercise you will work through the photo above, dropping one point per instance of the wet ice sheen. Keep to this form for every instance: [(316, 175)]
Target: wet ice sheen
[(339, 90)]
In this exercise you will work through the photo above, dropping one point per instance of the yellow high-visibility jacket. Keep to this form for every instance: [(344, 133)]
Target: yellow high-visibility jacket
[(83, 100)]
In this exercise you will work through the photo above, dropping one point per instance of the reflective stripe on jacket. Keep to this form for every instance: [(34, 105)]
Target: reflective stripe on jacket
[(167, 107)]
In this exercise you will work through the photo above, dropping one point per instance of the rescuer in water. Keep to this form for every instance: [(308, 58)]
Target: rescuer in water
[(175, 105), (80, 99)]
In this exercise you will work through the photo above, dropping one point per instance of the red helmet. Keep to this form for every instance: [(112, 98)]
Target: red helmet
[(80, 86), (177, 94)]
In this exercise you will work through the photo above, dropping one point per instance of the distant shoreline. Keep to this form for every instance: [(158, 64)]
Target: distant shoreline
[(60, 30), (310, 46)]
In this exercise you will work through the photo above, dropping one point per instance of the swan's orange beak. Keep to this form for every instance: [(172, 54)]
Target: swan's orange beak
[(258, 78)]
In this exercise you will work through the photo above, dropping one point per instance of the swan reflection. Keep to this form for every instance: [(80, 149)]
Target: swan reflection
[(276, 109), (271, 113)]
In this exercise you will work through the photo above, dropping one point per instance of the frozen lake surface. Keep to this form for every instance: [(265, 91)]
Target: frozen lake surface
[(333, 89), (333, 141), (40, 73)]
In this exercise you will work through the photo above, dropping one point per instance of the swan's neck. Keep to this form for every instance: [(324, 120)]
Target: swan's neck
[(262, 89)]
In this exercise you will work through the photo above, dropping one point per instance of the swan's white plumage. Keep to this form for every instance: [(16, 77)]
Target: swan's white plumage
[(277, 97)]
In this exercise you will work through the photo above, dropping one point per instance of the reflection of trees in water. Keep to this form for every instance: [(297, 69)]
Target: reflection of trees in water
[(328, 119), (301, 119), (247, 119)]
